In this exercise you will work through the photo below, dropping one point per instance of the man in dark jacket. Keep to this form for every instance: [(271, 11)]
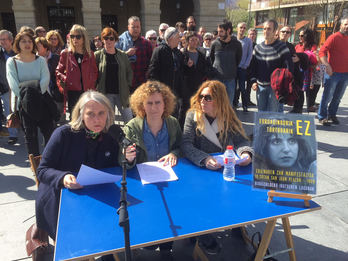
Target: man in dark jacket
[(226, 54), (167, 63), (6, 40)]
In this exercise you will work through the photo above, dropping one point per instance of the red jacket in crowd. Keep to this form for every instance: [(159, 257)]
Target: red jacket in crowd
[(69, 73)]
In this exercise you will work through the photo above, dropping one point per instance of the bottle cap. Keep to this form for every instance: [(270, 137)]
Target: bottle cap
[(230, 147)]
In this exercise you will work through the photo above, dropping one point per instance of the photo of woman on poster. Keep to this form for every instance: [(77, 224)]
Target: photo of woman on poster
[(284, 149)]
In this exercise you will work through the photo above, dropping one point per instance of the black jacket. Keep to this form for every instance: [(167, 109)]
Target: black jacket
[(196, 74), (4, 87), (52, 87), (167, 66)]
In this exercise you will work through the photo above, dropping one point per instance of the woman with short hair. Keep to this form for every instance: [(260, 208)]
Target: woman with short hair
[(83, 141), (77, 71), (115, 73), (211, 124)]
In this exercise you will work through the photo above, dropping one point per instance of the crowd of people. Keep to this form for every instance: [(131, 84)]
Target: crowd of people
[(177, 93)]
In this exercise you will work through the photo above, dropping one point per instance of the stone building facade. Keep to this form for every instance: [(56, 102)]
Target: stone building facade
[(95, 14)]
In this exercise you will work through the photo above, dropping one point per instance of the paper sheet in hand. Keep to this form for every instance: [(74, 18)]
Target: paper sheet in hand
[(90, 176), (153, 172), (220, 159)]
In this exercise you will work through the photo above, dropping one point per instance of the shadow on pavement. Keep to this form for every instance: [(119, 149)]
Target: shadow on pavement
[(337, 152), (17, 184)]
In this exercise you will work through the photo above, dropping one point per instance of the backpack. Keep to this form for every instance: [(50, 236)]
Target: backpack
[(282, 83)]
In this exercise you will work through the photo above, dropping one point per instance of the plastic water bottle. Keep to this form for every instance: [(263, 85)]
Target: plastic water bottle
[(229, 172)]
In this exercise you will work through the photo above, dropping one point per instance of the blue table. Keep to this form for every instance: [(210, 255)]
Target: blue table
[(199, 202)]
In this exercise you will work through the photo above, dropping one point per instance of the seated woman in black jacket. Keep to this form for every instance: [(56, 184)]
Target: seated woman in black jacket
[(83, 141)]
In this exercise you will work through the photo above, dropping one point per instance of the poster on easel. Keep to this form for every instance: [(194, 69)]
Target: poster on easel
[(285, 157)]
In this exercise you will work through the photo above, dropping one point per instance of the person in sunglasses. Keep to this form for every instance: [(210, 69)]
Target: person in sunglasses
[(151, 35), (115, 73), (211, 124), (77, 71)]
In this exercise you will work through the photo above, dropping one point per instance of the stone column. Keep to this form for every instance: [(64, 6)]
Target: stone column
[(92, 17), (208, 14), (150, 14), (24, 13)]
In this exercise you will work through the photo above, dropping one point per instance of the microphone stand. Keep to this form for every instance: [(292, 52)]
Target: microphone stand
[(122, 210)]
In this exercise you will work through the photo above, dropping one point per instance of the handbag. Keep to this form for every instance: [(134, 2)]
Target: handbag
[(36, 241), (13, 119)]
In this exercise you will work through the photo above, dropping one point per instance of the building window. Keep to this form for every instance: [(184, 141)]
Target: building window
[(261, 17), (61, 18)]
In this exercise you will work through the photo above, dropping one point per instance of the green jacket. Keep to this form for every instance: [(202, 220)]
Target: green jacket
[(125, 74), (134, 132)]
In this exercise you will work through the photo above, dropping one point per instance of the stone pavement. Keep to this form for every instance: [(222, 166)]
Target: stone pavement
[(319, 235)]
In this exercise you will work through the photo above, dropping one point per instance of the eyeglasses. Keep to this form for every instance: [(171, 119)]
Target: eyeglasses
[(207, 39), (163, 30), (153, 38), (286, 32), (77, 36), (111, 38), (207, 97), (301, 35)]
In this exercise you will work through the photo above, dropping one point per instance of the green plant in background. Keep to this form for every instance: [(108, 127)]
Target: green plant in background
[(239, 12)]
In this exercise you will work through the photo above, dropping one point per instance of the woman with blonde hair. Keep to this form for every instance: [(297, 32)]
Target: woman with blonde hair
[(211, 124), (77, 71), (56, 41), (85, 140), (156, 133)]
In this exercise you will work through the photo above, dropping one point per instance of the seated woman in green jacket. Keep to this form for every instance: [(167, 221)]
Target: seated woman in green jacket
[(156, 134), (115, 73)]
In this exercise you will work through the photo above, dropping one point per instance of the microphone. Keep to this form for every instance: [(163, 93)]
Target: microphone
[(117, 133)]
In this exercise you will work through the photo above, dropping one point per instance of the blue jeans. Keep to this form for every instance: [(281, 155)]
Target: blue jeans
[(230, 88), (6, 102), (267, 101), (334, 88)]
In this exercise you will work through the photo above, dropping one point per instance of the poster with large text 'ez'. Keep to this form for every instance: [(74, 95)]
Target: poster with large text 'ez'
[(285, 156)]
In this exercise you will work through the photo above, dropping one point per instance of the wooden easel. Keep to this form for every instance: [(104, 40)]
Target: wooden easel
[(273, 193)]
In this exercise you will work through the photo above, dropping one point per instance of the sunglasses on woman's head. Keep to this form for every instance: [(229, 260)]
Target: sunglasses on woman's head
[(77, 36), (207, 97), (111, 38)]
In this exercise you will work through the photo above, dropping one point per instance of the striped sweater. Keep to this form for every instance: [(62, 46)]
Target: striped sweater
[(266, 58)]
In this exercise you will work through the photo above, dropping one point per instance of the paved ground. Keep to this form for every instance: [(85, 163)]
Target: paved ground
[(320, 235)]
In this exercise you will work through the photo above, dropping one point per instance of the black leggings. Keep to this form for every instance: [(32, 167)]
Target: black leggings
[(73, 97)]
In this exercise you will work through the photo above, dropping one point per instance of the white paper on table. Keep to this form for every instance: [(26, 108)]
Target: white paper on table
[(153, 172), (90, 176), (220, 159)]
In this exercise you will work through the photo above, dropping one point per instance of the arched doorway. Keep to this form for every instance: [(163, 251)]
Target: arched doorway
[(58, 15), (175, 11), (7, 19), (116, 13)]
